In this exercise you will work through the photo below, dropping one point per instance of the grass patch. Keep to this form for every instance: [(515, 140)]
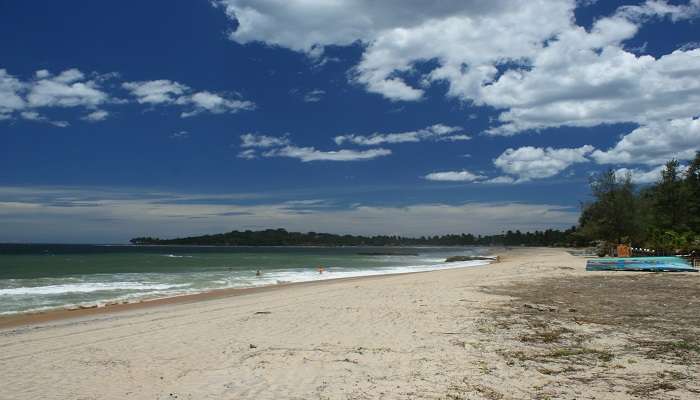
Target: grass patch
[(602, 355), (678, 350), (546, 336), (647, 389)]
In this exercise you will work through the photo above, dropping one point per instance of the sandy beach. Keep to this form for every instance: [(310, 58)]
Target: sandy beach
[(535, 325)]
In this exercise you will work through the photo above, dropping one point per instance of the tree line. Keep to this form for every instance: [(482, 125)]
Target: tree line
[(663, 217), (281, 237)]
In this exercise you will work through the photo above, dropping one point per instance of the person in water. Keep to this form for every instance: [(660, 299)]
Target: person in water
[(257, 273), (320, 269)]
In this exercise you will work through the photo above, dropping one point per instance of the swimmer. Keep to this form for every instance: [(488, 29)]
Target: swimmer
[(258, 273), (320, 270)]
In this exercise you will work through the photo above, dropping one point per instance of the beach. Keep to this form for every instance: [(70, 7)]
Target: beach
[(534, 325)]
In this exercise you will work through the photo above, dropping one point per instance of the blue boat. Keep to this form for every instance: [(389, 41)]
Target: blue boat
[(654, 264)]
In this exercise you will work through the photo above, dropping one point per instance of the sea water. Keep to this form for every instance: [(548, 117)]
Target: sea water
[(44, 277)]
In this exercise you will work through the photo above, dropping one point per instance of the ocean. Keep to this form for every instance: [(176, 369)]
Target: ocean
[(36, 277)]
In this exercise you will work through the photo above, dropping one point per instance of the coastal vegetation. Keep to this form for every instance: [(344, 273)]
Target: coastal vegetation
[(663, 216), (281, 237)]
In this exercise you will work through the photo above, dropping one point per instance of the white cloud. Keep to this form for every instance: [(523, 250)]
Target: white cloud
[(689, 46), (283, 147), (306, 154), (262, 141), (60, 124), (655, 144), (308, 26), (95, 116), (35, 116), (213, 103), (454, 176), (42, 73), (435, 132), (643, 177), (248, 154), (67, 89), (500, 180), (70, 88), (399, 33), (660, 8), (314, 96), (10, 94), (574, 86), (530, 60), (527, 163), (163, 91), (32, 116)]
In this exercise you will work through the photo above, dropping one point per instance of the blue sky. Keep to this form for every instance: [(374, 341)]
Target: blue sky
[(178, 118)]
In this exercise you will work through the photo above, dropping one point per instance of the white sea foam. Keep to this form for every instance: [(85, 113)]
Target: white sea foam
[(133, 287), (87, 288)]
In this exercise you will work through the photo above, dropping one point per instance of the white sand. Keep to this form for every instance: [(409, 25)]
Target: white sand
[(389, 337)]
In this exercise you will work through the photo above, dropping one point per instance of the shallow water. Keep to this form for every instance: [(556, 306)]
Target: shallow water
[(42, 277)]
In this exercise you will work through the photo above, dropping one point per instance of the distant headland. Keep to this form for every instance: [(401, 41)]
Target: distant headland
[(282, 237)]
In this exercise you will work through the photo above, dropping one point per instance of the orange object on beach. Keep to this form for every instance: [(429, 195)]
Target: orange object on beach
[(623, 251)]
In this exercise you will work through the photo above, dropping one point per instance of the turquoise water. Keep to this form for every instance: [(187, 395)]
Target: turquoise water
[(43, 277)]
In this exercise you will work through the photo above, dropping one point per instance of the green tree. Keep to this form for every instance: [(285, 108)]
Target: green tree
[(612, 216), (692, 194), (668, 200)]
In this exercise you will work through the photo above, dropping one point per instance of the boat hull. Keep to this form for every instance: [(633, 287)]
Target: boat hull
[(654, 264)]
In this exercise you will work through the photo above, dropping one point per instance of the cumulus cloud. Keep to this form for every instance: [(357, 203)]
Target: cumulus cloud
[(68, 89), (306, 154), (529, 60), (642, 177), (10, 94), (570, 86), (163, 91), (95, 116), (213, 103), (434, 132), (74, 89), (397, 34), (262, 141), (307, 27), (527, 163), (655, 144), (503, 179), (454, 176), (32, 116)]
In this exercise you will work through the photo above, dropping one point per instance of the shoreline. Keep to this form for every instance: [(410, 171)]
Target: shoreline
[(536, 325), (26, 319)]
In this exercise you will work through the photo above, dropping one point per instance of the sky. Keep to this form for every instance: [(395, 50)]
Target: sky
[(403, 117)]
